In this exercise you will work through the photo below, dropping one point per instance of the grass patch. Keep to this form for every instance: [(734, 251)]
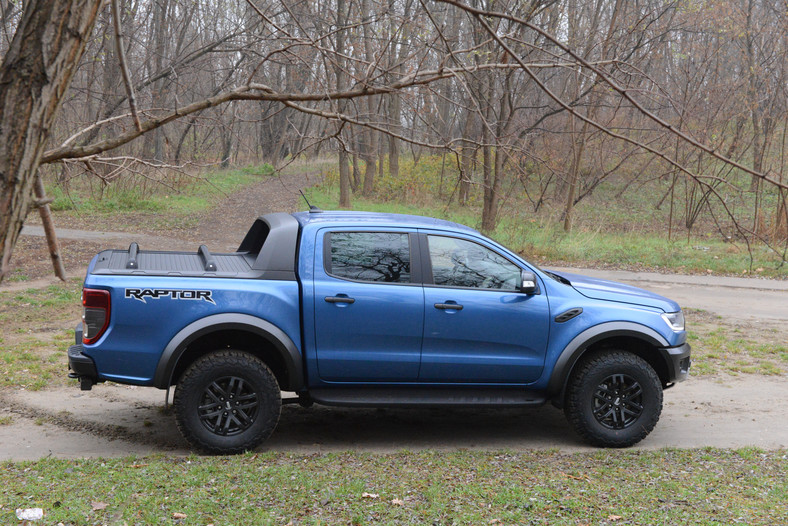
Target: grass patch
[(34, 365), (171, 201), (33, 308), (6, 420), (735, 347), (176, 193), (38, 328), (662, 487)]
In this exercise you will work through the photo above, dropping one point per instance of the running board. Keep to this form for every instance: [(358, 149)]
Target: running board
[(426, 397)]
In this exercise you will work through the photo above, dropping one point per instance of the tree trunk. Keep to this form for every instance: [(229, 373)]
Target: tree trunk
[(578, 145), (344, 179), (344, 173), (395, 99), (153, 143), (49, 229), (370, 137), (355, 182), (35, 75), (753, 94), (487, 168), (467, 156), (395, 115)]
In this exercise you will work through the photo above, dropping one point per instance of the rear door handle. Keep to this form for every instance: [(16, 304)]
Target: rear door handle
[(448, 306), (340, 299)]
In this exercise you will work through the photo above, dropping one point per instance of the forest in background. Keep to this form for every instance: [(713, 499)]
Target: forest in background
[(536, 103)]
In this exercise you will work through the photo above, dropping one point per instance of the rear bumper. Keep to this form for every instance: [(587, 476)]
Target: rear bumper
[(678, 361), (82, 367)]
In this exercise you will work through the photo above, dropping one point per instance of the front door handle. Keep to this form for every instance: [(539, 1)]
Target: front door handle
[(448, 306), (340, 299)]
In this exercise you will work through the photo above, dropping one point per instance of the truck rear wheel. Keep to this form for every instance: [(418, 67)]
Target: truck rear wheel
[(227, 402), (614, 399)]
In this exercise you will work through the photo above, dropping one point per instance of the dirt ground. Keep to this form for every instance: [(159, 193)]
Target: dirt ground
[(114, 420)]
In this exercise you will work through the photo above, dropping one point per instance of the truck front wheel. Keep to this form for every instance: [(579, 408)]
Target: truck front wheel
[(227, 402), (614, 399)]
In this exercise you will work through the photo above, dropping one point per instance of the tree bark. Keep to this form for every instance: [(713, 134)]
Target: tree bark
[(35, 74), (467, 158), (370, 137), (49, 229), (344, 172)]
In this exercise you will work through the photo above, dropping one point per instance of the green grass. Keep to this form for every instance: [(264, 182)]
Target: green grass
[(36, 339), (707, 486), (726, 349), (178, 194), (33, 307), (34, 364)]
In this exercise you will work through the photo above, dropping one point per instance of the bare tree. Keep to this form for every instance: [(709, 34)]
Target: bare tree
[(35, 73)]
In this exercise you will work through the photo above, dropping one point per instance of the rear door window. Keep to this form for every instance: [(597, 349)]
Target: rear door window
[(369, 256)]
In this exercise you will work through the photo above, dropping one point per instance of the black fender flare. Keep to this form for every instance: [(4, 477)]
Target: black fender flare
[(231, 321), (575, 348)]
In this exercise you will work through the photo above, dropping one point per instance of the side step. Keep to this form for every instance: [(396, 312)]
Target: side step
[(426, 397)]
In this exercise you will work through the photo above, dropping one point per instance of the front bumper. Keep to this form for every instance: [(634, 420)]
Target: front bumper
[(678, 361), (82, 367)]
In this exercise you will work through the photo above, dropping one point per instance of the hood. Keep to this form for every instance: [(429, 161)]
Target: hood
[(601, 289)]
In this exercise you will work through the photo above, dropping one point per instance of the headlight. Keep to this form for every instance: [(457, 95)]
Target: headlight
[(675, 320)]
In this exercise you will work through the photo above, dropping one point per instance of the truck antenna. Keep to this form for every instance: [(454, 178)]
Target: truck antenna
[(312, 208)]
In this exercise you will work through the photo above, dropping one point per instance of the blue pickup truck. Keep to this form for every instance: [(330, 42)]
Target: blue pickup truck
[(373, 310)]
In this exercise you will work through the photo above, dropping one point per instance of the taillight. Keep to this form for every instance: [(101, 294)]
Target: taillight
[(95, 314)]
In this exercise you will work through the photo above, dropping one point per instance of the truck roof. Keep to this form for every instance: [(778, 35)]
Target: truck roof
[(377, 219)]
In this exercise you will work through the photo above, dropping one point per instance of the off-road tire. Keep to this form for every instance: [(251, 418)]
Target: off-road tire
[(227, 402), (613, 399)]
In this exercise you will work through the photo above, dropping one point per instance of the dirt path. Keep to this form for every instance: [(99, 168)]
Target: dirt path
[(115, 420), (223, 227)]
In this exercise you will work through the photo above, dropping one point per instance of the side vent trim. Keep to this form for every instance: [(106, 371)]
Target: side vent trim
[(568, 315)]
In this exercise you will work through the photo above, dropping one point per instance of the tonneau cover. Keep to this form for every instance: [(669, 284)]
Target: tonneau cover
[(159, 263), (267, 252)]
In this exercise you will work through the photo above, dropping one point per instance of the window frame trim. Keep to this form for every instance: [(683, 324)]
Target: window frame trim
[(416, 265)]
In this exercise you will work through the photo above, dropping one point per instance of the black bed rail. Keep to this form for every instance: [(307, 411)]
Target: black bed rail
[(131, 262), (209, 263)]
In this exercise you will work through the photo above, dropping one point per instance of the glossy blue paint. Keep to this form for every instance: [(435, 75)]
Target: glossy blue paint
[(601, 289), (377, 338), (139, 331), (497, 338)]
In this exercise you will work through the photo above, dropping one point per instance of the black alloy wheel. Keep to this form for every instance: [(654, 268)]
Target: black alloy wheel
[(618, 401), (229, 406)]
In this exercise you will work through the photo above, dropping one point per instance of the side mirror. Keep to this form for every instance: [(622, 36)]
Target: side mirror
[(528, 283)]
